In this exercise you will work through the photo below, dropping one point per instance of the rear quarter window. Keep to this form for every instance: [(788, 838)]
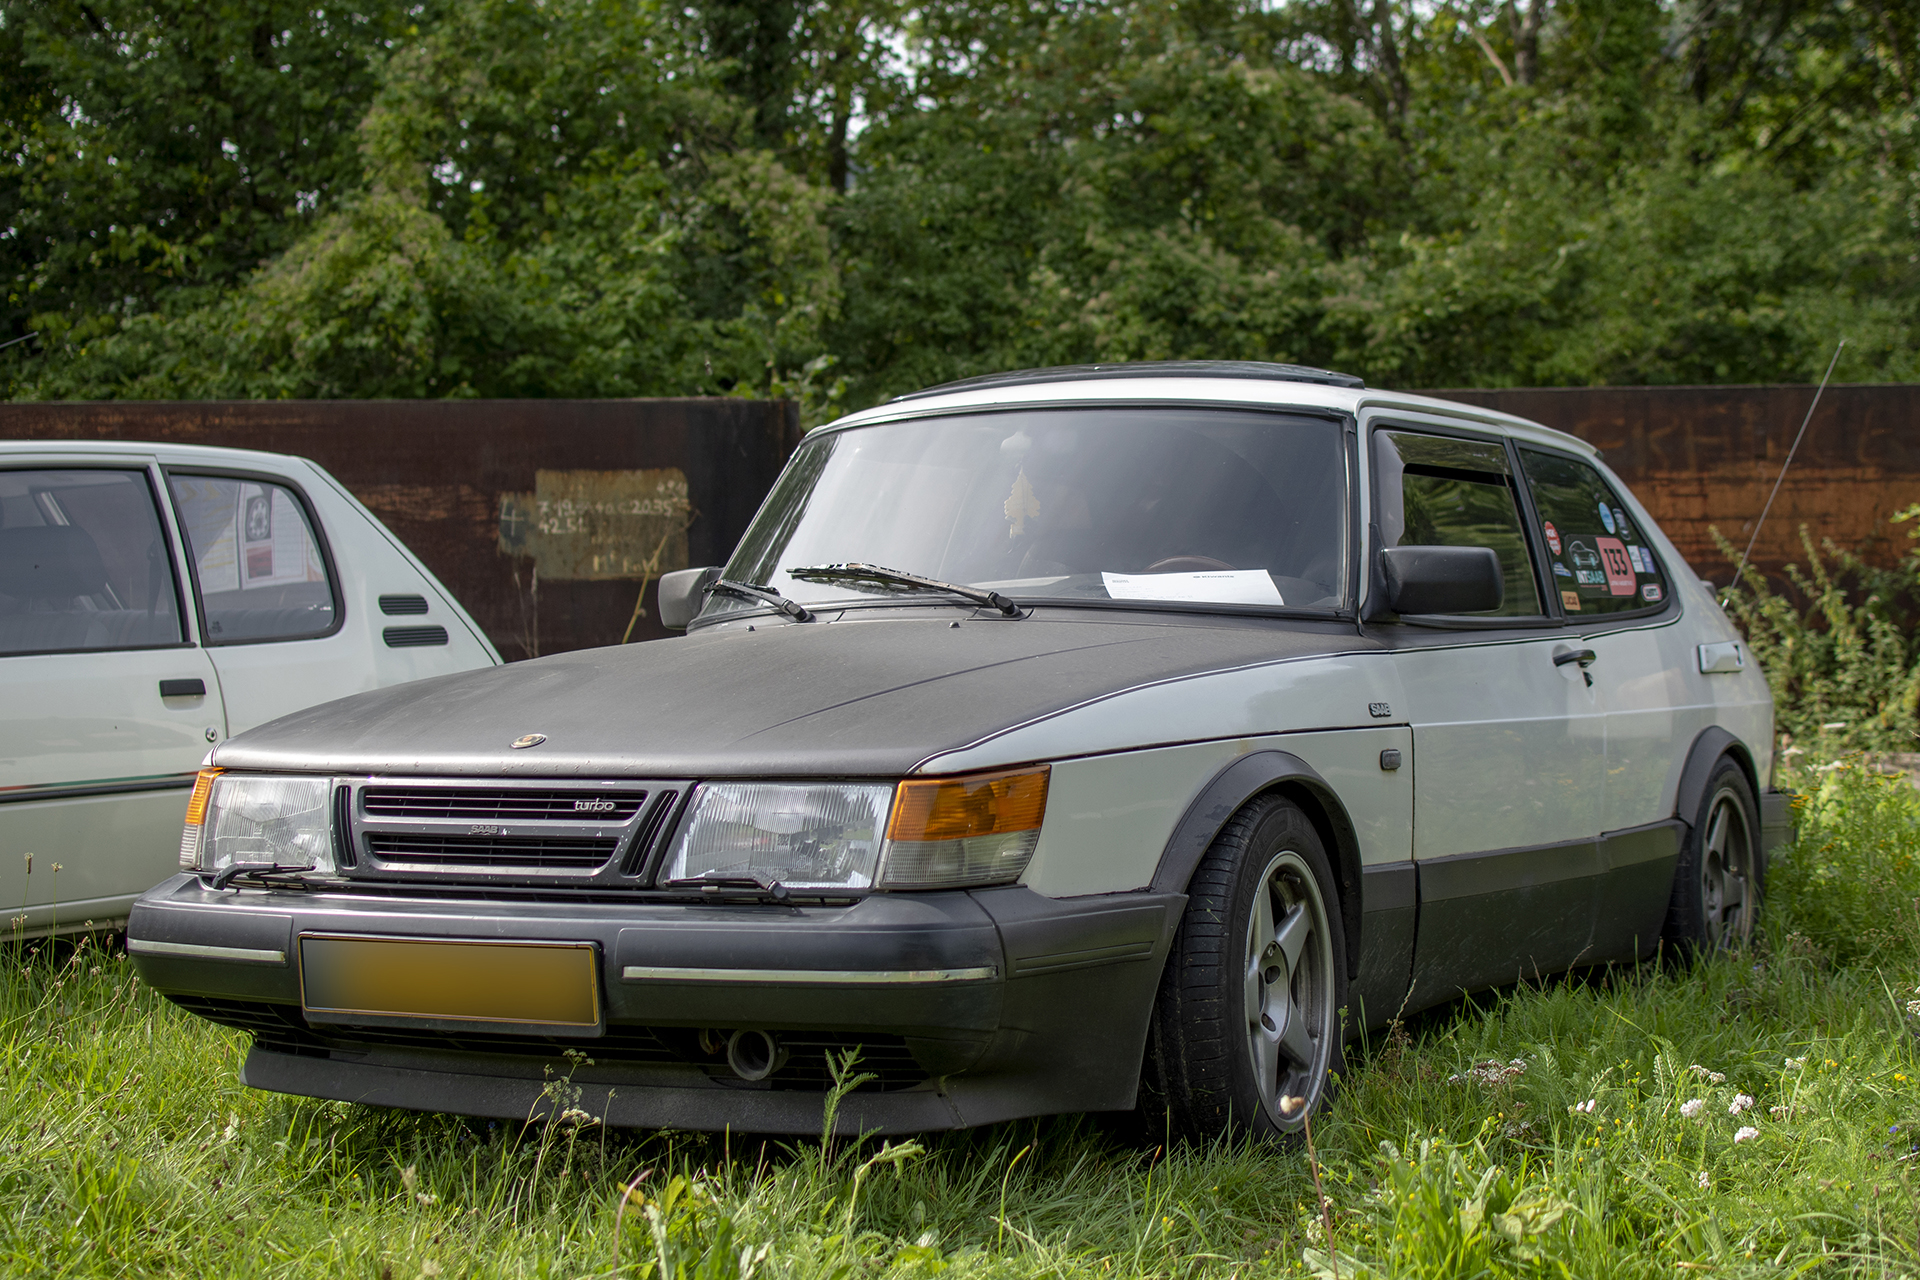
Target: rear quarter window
[(257, 565), (1601, 560)]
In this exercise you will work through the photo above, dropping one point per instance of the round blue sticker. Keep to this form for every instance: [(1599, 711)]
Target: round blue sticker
[(1606, 516)]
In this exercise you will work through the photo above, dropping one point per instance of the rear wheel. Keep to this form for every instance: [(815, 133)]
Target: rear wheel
[(1247, 1027), (1716, 887)]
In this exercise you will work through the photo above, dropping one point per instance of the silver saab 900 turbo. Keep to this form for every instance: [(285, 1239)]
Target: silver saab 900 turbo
[(1071, 740)]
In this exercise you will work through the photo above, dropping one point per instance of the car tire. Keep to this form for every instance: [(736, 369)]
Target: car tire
[(1718, 882), (1251, 1003)]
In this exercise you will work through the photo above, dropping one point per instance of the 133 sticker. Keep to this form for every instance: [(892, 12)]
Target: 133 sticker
[(1619, 566)]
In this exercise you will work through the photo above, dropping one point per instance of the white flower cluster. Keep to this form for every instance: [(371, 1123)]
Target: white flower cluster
[(1913, 1006), (1585, 1108), (1695, 1108), (1491, 1073)]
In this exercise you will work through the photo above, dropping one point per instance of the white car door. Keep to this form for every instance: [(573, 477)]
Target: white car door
[(302, 596), (109, 706), (1617, 600), (1509, 739)]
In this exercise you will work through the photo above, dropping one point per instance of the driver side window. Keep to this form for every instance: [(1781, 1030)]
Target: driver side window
[(1439, 491)]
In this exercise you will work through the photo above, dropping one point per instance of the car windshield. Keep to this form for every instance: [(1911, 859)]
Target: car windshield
[(1202, 506)]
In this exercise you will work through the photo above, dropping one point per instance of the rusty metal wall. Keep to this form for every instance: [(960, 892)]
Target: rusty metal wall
[(1702, 457), (543, 517)]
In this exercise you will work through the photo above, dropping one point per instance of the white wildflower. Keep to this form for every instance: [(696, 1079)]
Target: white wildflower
[(1794, 1064), (1778, 1113), (1705, 1181), (424, 1198), (1913, 1008), (1692, 1107), (1740, 1103), (1711, 1077), (1586, 1108), (1745, 1132), (1491, 1073)]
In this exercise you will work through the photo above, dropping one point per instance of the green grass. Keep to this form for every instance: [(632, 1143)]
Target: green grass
[(127, 1146)]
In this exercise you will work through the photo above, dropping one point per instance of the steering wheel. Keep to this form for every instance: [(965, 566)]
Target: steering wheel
[(1189, 564)]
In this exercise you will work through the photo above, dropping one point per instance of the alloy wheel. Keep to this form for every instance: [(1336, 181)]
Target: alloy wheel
[(1289, 985), (1726, 875)]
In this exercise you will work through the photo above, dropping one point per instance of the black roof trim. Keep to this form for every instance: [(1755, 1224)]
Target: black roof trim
[(1259, 369)]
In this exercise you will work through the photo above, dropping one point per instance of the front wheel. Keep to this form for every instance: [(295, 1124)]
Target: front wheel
[(1247, 1027)]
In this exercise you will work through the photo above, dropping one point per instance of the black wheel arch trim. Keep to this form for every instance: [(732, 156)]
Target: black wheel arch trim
[(1245, 779), (1708, 746)]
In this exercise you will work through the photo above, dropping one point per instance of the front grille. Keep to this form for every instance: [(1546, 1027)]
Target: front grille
[(283, 1029), (501, 804), (513, 852)]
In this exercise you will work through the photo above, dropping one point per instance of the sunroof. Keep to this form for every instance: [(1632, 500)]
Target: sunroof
[(1256, 369)]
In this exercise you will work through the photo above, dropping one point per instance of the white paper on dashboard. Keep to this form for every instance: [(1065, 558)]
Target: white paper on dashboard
[(1223, 586)]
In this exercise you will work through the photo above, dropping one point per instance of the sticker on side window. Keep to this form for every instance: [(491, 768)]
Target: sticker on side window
[(1553, 536), (1570, 601), (1613, 557), (1650, 592)]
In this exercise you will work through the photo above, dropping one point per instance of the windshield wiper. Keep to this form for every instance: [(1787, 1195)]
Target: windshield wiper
[(714, 882), (765, 595), (269, 875), (856, 572)]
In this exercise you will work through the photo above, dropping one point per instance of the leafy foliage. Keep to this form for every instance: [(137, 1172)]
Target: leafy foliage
[(844, 199), (1849, 886), (1843, 667)]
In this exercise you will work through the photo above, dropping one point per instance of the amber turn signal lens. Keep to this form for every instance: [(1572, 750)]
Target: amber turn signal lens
[(984, 804), (202, 792)]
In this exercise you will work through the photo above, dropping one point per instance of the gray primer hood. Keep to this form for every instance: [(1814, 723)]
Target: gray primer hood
[(868, 697)]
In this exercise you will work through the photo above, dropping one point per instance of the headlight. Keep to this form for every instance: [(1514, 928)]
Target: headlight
[(234, 818), (933, 834), (807, 836)]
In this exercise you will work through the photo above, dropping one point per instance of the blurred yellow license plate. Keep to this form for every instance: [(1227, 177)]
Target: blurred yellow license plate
[(550, 983)]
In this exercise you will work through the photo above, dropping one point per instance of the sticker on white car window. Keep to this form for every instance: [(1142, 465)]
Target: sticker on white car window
[(1222, 586)]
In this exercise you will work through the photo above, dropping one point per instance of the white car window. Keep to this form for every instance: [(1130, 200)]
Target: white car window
[(84, 563), (257, 566)]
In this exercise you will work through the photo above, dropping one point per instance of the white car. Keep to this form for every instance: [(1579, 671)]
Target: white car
[(155, 599), (1059, 739)]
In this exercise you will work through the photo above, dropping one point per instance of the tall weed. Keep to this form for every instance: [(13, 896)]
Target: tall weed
[(1842, 665), (1848, 887)]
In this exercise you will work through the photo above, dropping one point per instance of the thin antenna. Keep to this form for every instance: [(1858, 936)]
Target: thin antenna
[(22, 338), (1789, 462)]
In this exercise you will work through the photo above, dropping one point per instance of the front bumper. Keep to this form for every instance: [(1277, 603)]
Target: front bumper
[(969, 1007)]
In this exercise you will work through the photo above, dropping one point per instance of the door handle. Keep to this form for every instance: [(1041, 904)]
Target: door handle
[(1585, 657), (194, 688)]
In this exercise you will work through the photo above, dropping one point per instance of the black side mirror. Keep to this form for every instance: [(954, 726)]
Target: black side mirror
[(1442, 579), (683, 593)]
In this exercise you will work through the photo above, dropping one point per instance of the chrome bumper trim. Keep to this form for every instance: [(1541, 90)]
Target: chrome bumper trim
[(807, 977), (200, 951)]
